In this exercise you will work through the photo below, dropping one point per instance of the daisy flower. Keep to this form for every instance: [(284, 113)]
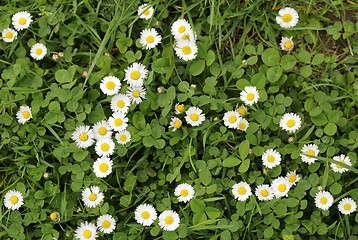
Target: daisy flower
[(264, 192), (13, 200), (249, 95), (290, 122), (186, 50), (343, 159), (180, 27), (120, 103), (83, 136), (311, 150), (188, 35), (347, 206), (92, 196), (86, 230), (9, 35), (271, 158), (241, 191), (135, 74), (118, 121), (106, 223), (145, 214), (243, 124), (323, 200), (101, 130), (175, 123), (105, 147), (179, 108), (184, 192), (123, 137), (102, 167), (288, 17), (24, 114), (242, 110), (194, 116), (21, 20), (280, 187), (55, 217), (145, 11), (232, 119), (286, 44), (169, 220), (136, 94), (38, 51), (149, 38), (292, 177), (110, 85)]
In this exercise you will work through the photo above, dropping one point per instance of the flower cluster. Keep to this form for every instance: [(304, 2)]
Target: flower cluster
[(185, 40)]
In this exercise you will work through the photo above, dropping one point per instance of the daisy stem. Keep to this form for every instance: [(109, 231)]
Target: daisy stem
[(348, 226), (191, 161)]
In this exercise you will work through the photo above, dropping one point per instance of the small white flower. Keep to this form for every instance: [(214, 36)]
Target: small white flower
[(24, 114), (105, 147), (271, 158), (186, 50), (288, 17), (83, 136), (118, 121), (169, 220), (185, 192), (38, 51), (13, 200), (9, 35), (343, 159), (21, 20), (175, 123), (106, 223), (135, 74), (323, 200), (120, 103), (123, 137), (179, 108), (102, 167), (232, 119), (102, 130), (347, 206), (180, 27), (242, 110), (194, 116), (280, 187), (290, 122), (145, 11), (241, 191), (264, 192), (149, 38), (145, 214), (311, 150), (110, 85), (136, 94), (87, 231), (243, 124), (92, 196), (249, 95), (286, 44), (188, 35), (292, 177)]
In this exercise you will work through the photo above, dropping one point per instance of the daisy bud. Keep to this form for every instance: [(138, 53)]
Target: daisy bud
[(61, 54)]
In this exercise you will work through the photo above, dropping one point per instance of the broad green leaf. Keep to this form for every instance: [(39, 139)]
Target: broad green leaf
[(271, 57)]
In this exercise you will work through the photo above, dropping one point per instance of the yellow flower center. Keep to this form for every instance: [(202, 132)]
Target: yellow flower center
[(118, 122), (186, 50), (169, 220), (310, 152), (287, 17), (53, 216), (87, 233), (123, 137), (323, 200), (106, 224), (232, 119), (146, 12), (14, 200), (92, 197), (194, 117), (181, 108), (181, 29), (177, 124), (339, 166), (83, 137), (102, 131), (250, 96), (103, 167), (38, 51), (136, 93), (26, 114), (242, 126), (185, 37), (271, 158), (292, 178), (282, 187), (150, 39), (242, 111), (241, 190), (105, 147), (264, 192), (135, 75), (290, 123), (9, 35), (120, 104), (288, 45), (347, 206), (110, 85), (22, 21), (184, 192), (145, 214)]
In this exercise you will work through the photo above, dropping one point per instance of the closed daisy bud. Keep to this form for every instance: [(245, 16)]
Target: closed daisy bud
[(343, 159), (38, 51), (169, 220), (232, 119), (145, 214), (323, 200), (9, 35), (347, 206), (85, 231), (194, 116), (242, 110), (241, 191), (123, 137), (288, 17), (290, 122), (110, 85), (83, 136), (55, 217), (106, 223), (286, 44), (264, 192), (13, 200), (175, 123), (102, 167), (280, 187), (92, 196), (24, 114), (249, 95), (184, 192), (271, 158), (145, 11), (186, 50), (149, 38), (311, 150), (21, 20)]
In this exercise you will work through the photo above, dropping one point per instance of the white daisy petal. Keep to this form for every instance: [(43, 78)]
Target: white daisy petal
[(13, 200), (290, 122), (264, 192), (169, 220), (105, 147), (123, 137), (9, 34), (149, 38), (102, 130), (175, 123), (145, 214), (323, 200), (86, 231), (311, 150), (286, 44), (243, 124), (38, 51), (21, 20), (110, 85), (186, 50), (194, 116), (280, 187), (241, 191), (249, 95), (24, 114), (92, 196), (292, 177), (136, 94), (343, 159), (83, 136), (232, 119), (106, 223), (271, 158), (145, 11), (347, 206), (120, 103), (185, 192), (102, 167), (288, 17), (135, 74)]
